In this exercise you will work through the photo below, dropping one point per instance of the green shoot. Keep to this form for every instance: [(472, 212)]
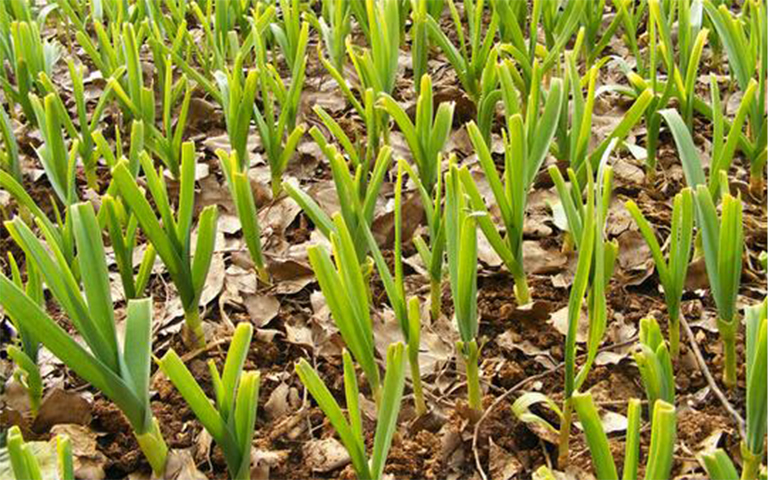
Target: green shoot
[(407, 313), (58, 163), (24, 463), (752, 447), (346, 294), (334, 26), (744, 38), (245, 205), (426, 136), (723, 244), (672, 272), (278, 131), (350, 431), (231, 418), (357, 194), (654, 363), (120, 372), (461, 246), (431, 255), (24, 355), (660, 453), (9, 155), (171, 239)]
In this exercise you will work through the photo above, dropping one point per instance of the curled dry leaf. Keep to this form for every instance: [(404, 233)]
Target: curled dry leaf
[(325, 455)]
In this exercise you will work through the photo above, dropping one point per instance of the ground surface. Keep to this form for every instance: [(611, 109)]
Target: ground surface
[(292, 321)]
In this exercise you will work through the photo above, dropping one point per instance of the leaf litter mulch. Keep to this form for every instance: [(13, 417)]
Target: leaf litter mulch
[(522, 346)]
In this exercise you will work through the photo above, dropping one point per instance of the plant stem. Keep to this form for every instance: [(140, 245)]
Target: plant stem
[(154, 448), (277, 186), (195, 325), (263, 275), (750, 463), (418, 392), (728, 333), (522, 295), (565, 435), (470, 354), (674, 336), (435, 297)]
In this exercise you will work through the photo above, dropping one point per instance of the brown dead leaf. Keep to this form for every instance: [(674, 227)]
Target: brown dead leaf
[(62, 407), (264, 460), (261, 308), (325, 455), (503, 465), (559, 320)]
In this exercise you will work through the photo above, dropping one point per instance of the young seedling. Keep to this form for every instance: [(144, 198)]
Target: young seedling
[(596, 258), (346, 293), (672, 272), (276, 119), (723, 245), (575, 130), (58, 163), (287, 30), (426, 136), (88, 123), (745, 38), (660, 453), (24, 464), (407, 313), (461, 246), (474, 59), (59, 231), (231, 418), (376, 68), (357, 194), (526, 144), (350, 431), (238, 93), (120, 372), (9, 155), (654, 363), (756, 356), (559, 21), (24, 354), (171, 239), (334, 25), (723, 146), (30, 56), (245, 205), (432, 255)]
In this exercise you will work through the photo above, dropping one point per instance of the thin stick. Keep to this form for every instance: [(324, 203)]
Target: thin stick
[(517, 387), (711, 380)]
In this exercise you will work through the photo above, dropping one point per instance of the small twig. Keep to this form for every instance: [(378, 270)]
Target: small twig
[(740, 424), (517, 387)]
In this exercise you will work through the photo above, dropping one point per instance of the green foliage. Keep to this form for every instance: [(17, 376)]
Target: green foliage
[(461, 247), (723, 244), (672, 272), (655, 364), (121, 373), (351, 431), (231, 418), (347, 296), (24, 463), (25, 353), (426, 136), (171, 239), (660, 453)]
